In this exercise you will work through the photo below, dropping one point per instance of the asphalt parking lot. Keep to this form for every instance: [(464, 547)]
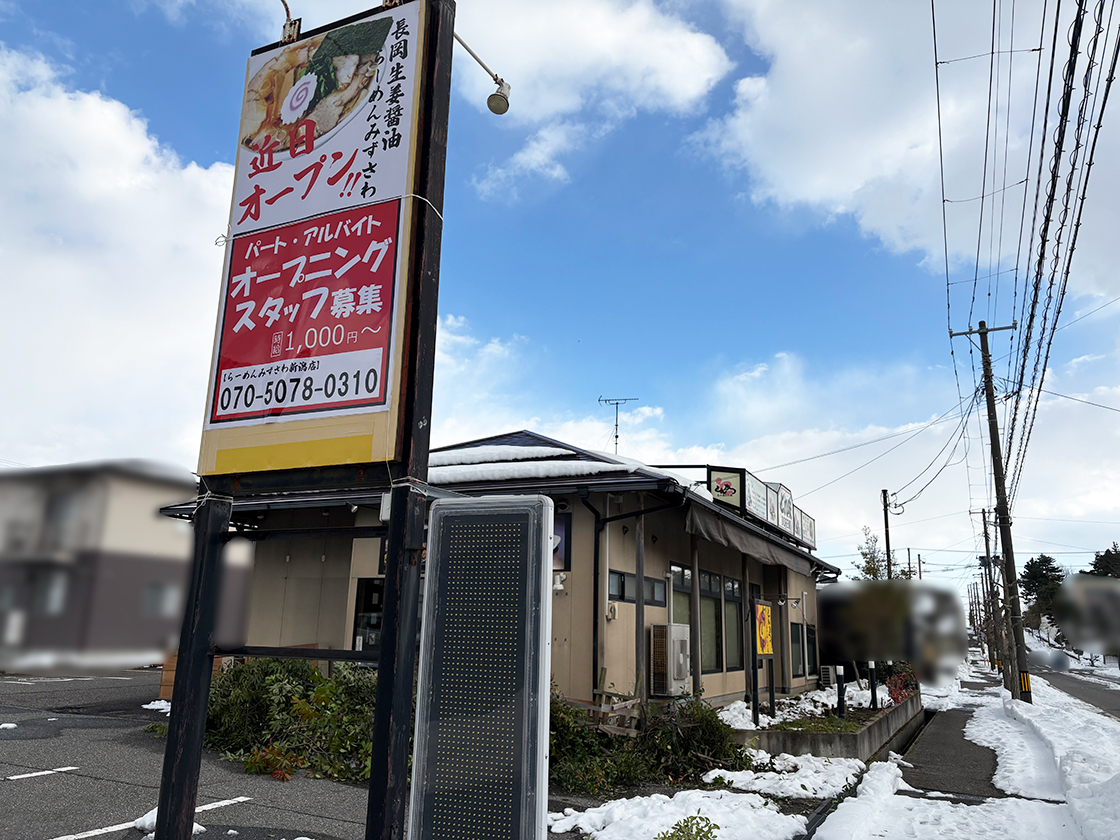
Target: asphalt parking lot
[(78, 764)]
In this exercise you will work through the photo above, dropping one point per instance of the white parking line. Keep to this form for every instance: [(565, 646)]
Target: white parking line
[(97, 832), (40, 773)]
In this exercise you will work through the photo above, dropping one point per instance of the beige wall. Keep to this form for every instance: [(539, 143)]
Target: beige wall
[(301, 598), (300, 587), (132, 523)]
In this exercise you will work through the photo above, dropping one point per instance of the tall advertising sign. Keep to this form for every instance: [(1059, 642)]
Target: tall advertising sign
[(307, 363)]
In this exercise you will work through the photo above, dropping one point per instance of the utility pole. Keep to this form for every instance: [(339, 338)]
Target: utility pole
[(1003, 515), (887, 531), (998, 636), (919, 567), (909, 566), (616, 403)]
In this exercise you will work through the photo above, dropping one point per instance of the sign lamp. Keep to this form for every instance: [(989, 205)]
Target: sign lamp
[(498, 101)]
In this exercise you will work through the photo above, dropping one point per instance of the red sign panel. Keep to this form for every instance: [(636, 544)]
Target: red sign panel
[(308, 317)]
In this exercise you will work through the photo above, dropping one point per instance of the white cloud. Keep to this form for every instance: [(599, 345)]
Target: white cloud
[(537, 157), (110, 276), (844, 121)]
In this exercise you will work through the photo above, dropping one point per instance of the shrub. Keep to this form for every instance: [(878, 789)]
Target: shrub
[(688, 739), (902, 683), (683, 741), (277, 716), (691, 828), (249, 702)]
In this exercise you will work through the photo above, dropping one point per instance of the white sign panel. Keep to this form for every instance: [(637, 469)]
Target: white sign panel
[(327, 122), (754, 494)]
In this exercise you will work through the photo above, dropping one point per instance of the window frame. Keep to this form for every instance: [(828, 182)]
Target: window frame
[(714, 592), (733, 594), (629, 586), (798, 669)]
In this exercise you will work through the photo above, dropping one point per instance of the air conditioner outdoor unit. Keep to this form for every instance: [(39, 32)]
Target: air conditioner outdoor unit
[(828, 675), (669, 665)]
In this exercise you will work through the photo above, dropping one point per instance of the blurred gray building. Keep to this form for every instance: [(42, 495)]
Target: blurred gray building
[(90, 573)]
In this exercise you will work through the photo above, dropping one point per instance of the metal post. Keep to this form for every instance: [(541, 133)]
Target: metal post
[(873, 681), (754, 663), (392, 723), (386, 810), (640, 604), (182, 757), (770, 683), (694, 628), (841, 707), (887, 531)]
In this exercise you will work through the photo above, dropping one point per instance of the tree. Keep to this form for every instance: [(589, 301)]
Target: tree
[(1106, 563), (873, 560), (1037, 573)]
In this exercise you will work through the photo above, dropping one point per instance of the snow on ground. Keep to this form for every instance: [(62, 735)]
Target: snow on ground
[(801, 776), (810, 704), (740, 816), (876, 811), (148, 823), (159, 706), (1085, 745)]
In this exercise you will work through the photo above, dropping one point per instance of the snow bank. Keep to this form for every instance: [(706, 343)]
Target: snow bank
[(805, 776), (740, 816)]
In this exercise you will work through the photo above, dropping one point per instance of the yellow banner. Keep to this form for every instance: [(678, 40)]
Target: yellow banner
[(763, 631)]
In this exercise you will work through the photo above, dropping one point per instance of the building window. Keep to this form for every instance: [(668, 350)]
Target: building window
[(623, 587), (811, 648), (562, 554), (733, 616), (682, 587), (160, 600), (711, 637), (797, 649), (50, 593)]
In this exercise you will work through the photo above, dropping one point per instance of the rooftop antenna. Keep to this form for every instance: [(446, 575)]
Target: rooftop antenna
[(616, 403)]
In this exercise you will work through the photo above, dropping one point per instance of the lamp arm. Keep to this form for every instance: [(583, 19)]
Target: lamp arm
[(481, 63)]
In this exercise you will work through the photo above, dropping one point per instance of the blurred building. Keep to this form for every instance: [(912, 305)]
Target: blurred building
[(90, 573)]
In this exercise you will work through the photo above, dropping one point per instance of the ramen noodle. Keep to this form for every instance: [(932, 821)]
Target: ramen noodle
[(322, 79)]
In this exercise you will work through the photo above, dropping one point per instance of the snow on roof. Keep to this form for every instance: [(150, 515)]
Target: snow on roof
[(520, 470), (699, 488), (493, 453)]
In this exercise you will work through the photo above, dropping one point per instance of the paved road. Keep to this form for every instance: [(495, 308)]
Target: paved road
[(96, 726)]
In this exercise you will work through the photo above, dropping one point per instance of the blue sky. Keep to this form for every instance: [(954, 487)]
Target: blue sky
[(730, 210)]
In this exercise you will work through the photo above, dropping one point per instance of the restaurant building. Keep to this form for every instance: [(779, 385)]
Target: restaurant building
[(652, 575)]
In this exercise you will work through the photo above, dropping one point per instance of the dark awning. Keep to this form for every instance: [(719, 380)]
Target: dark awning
[(720, 528)]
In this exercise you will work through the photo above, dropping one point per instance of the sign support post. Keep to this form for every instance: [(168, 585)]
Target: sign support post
[(386, 813), (182, 757)]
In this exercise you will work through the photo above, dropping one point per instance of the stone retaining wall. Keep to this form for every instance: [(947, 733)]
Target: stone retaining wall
[(882, 730)]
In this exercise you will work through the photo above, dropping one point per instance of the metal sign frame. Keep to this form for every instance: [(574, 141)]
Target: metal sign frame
[(407, 476)]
